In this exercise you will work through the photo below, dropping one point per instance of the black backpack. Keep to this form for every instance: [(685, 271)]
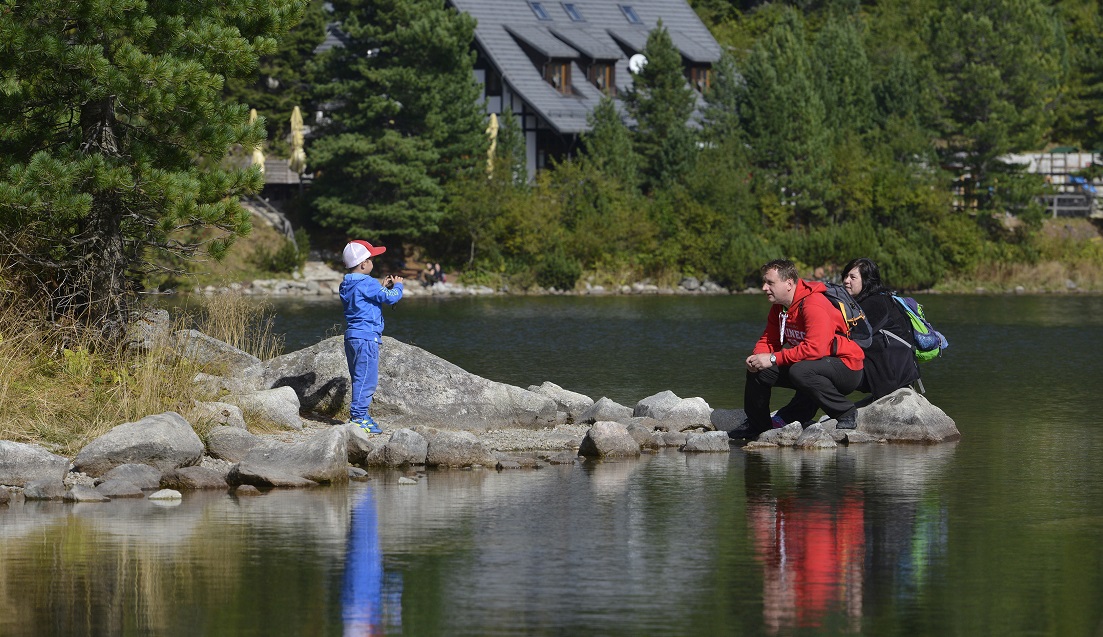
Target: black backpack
[(858, 328)]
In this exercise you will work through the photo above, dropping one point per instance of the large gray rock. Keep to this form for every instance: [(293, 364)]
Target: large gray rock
[(118, 488), (406, 446), (322, 458), (415, 388), (45, 489), (606, 409), (905, 416), (149, 330), (230, 443), (22, 463), (279, 406), (689, 413), (84, 493), (815, 436), (164, 441), (214, 414), (569, 402), (193, 478), (656, 406), (142, 476), (708, 442), (608, 440), (727, 419), (455, 449), (210, 352), (364, 449)]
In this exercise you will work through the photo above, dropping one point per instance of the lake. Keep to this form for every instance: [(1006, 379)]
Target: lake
[(1000, 533)]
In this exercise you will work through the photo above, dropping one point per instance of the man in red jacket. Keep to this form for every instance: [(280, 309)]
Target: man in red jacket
[(805, 347)]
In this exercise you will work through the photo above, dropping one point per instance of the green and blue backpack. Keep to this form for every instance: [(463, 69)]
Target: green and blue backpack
[(929, 342)]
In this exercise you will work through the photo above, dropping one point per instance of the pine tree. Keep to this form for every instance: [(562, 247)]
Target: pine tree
[(843, 73), (608, 144), (114, 129), (782, 117), (661, 102), (1000, 64), (405, 117)]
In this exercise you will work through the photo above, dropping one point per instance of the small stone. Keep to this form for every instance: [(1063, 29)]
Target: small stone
[(405, 480), (166, 494)]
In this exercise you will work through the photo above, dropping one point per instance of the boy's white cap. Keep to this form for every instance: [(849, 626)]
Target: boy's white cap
[(357, 251)]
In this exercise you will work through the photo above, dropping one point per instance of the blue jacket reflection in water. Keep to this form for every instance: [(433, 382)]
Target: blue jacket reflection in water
[(362, 594), (363, 298)]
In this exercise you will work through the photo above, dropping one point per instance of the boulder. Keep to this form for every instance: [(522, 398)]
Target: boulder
[(199, 348), (656, 406), (608, 440), (415, 388), (142, 476), (46, 489), (406, 446), (569, 402), (148, 330), (605, 409), (640, 433), (455, 449), (5, 496), (785, 436), (165, 494), (279, 406), (84, 493), (215, 414), (727, 419), (230, 443), (193, 478), (670, 438), (906, 416), (164, 441), (22, 463), (364, 449), (119, 488), (322, 458), (708, 442), (815, 436), (689, 413)]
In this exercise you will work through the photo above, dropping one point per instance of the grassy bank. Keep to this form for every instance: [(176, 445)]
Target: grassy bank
[(61, 390)]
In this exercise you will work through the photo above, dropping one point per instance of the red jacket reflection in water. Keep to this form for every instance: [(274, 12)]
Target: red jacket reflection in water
[(812, 554)]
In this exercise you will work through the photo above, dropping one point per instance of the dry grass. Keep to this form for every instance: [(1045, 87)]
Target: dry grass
[(64, 395)]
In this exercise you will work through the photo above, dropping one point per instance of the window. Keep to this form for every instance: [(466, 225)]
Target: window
[(601, 75), (539, 10), (630, 14), (558, 74), (573, 13), (700, 78), (493, 83)]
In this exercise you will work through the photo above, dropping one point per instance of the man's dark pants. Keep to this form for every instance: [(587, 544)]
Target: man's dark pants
[(822, 383)]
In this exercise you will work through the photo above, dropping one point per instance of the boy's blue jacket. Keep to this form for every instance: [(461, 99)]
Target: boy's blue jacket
[(364, 297)]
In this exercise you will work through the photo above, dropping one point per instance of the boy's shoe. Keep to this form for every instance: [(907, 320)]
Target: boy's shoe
[(368, 425)]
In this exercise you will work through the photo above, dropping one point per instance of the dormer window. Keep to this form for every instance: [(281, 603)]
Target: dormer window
[(601, 75), (572, 12), (630, 14), (700, 78), (558, 74), (539, 10)]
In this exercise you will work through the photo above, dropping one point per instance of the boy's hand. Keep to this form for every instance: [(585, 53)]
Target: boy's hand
[(390, 280)]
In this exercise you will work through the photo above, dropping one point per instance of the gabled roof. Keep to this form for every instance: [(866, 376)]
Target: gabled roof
[(505, 27)]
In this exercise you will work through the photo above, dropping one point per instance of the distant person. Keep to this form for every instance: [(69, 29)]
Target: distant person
[(363, 298), (890, 360), (804, 347), (439, 273), (428, 275)]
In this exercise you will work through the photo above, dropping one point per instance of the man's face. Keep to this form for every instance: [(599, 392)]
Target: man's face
[(778, 290)]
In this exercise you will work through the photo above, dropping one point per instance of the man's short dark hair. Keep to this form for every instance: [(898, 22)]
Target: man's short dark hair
[(786, 269)]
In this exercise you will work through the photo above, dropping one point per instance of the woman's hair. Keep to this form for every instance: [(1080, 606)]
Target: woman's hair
[(871, 276)]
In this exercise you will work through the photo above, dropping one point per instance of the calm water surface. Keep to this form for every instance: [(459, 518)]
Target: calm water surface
[(1001, 533)]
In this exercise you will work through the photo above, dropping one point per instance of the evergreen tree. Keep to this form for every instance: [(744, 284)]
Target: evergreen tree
[(405, 117), (283, 79), (114, 127), (721, 112), (661, 102), (843, 74), (608, 144), (782, 117), (1000, 64)]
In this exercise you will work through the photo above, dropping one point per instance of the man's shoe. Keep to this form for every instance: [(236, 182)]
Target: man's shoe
[(744, 432), (847, 421)]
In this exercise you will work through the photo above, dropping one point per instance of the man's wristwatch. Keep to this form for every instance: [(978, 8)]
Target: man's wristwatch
[(773, 359)]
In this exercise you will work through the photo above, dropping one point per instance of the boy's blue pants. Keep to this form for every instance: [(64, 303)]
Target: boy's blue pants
[(362, 355)]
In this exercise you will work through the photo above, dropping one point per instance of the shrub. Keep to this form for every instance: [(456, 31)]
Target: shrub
[(558, 271)]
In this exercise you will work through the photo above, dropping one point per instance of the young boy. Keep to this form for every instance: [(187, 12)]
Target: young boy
[(363, 298)]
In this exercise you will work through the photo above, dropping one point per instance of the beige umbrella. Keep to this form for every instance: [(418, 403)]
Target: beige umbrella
[(492, 132), (298, 155), (258, 154)]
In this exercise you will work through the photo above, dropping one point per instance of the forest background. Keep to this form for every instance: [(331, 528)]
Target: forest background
[(831, 129)]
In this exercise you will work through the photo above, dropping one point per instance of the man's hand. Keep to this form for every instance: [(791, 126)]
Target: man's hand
[(759, 362)]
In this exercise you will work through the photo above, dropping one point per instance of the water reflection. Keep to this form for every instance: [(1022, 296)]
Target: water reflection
[(836, 534), (362, 594)]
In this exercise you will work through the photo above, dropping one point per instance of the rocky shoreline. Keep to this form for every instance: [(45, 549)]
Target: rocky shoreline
[(433, 413)]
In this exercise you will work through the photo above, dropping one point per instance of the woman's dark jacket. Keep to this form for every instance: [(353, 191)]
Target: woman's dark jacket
[(890, 364)]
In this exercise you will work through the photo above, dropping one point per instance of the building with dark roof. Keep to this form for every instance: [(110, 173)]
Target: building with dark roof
[(551, 62)]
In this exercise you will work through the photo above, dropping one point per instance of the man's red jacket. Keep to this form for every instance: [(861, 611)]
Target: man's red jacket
[(813, 329)]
